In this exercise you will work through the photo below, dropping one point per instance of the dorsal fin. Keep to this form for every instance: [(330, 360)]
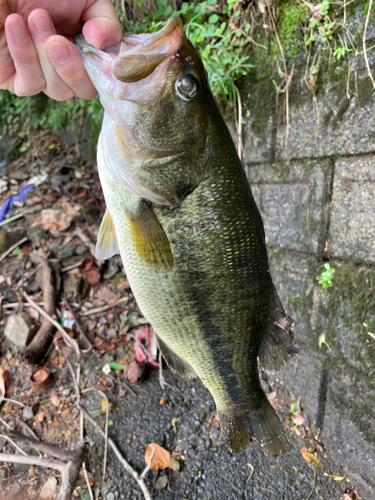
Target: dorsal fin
[(106, 245)]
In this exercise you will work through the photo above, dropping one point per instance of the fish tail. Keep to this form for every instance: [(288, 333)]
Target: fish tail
[(241, 427)]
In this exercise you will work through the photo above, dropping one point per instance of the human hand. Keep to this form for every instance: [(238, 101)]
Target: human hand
[(38, 56)]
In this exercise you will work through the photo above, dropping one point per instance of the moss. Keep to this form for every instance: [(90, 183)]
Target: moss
[(292, 16)]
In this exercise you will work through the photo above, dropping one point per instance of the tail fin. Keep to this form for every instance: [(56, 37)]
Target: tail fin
[(262, 423)]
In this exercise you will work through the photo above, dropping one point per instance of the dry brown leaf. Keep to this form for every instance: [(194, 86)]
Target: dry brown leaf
[(2, 383), (309, 457), (56, 221), (161, 459)]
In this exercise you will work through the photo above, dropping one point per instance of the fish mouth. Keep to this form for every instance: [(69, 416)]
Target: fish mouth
[(135, 69)]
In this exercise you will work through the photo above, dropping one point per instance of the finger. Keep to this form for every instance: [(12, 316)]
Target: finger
[(7, 68), (28, 78), (102, 28), (41, 28), (68, 65)]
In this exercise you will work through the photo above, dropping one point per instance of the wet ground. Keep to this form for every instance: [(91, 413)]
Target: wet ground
[(209, 471)]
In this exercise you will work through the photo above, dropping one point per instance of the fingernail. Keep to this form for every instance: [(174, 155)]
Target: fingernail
[(43, 24), (60, 53), (17, 29)]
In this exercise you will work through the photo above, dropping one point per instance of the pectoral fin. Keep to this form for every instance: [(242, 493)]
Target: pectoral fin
[(149, 239), (106, 245)]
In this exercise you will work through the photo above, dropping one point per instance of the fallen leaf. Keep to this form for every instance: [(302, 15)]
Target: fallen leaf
[(309, 457), (103, 405), (161, 459), (162, 402), (133, 371)]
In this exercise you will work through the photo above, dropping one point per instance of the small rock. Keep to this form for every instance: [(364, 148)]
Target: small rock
[(66, 251), (49, 488), (111, 496), (65, 393), (111, 333), (27, 413), (18, 329), (80, 250), (161, 483)]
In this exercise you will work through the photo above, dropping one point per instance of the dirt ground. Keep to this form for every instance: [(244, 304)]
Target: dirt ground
[(60, 219)]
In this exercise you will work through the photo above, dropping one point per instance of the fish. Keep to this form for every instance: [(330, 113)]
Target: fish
[(182, 216)]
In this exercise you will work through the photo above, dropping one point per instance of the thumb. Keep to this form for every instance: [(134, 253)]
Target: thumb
[(101, 25)]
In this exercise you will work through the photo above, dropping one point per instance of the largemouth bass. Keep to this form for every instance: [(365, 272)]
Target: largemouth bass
[(181, 214)]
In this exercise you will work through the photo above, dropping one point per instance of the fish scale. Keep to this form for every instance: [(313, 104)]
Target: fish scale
[(181, 213)]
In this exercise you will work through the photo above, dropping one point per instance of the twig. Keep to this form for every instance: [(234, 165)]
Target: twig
[(364, 44), (154, 483), (68, 340), (127, 387), (85, 240), (73, 377), (80, 331), (2, 257), (143, 475), (106, 426), (58, 453), (69, 471), (98, 310), (83, 463), (12, 401), (313, 486), (73, 266), (116, 451), (42, 462), (252, 41), (28, 275), (37, 347), (14, 444)]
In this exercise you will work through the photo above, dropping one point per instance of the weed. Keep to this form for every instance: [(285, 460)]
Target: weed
[(326, 276)]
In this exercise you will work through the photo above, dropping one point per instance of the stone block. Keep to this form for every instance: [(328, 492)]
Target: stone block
[(259, 100), (337, 119), (293, 201), (352, 226), (294, 274)]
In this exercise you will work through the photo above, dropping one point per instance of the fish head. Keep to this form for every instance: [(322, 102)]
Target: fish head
[(153, 86)]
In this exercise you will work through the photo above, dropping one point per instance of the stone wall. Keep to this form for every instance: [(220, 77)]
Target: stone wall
[(317, 199)]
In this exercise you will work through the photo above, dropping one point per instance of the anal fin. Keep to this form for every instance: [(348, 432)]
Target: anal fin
[(106, 245), (175, 363), (277, 345), (149, 239)]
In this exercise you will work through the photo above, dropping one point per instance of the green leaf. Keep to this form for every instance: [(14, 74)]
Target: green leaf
[(213, 19), (161, 3)]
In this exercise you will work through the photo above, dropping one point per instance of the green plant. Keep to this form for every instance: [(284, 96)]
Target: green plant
[(326, 276)]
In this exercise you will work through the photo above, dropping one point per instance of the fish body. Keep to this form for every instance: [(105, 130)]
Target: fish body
[(181, 214)]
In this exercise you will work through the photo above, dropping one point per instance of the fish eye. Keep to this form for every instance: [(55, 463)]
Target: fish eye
[(187, 87)]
